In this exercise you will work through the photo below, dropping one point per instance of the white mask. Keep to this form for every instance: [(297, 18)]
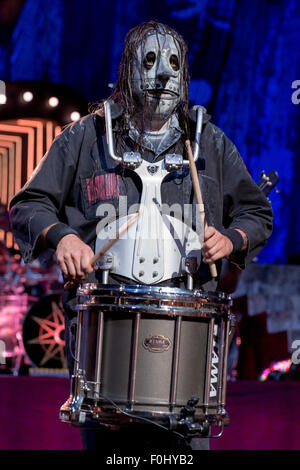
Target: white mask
[(157, 75)]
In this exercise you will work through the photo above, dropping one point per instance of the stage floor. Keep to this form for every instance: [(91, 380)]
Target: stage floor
[(264, 416)]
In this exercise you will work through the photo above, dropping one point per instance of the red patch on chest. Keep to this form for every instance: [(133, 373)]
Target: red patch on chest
[(102, 187)]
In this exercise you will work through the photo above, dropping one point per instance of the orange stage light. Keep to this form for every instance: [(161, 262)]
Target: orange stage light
[(23, 143)]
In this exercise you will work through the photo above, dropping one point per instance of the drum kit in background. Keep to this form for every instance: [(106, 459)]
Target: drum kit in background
[(31, 316)]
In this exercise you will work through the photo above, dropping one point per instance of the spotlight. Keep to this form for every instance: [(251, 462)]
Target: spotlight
[(75, 115), (27, 96), (53, 101), (2, 98)]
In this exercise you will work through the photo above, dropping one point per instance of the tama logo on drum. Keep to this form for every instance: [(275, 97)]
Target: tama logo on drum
[(157, 343), (214, 364)]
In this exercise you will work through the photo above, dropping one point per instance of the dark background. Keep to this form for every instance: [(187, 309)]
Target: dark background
[(244, 57)]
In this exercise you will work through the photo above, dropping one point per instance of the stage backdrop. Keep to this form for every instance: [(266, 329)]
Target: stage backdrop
[(244, 61)]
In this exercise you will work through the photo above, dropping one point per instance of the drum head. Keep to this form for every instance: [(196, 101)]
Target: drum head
[(44, 333)]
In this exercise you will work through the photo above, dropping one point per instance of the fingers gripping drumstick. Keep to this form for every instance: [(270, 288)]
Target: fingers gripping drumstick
[(107, 245), (196, 185)]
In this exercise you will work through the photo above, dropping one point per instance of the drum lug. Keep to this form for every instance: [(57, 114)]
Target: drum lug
[(190, 408), (186, 420)]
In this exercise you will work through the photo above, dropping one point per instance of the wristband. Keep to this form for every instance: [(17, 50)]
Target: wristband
[(235, 237), (56, 233)]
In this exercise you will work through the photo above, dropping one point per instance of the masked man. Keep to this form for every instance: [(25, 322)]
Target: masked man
[(60, 206)]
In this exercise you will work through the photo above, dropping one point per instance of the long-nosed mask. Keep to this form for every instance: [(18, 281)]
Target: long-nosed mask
[(157, 76)]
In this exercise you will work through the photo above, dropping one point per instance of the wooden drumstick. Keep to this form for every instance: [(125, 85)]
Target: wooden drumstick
[(108, 245), (196, 185)]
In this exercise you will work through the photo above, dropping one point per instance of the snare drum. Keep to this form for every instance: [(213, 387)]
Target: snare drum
[(150, 352)]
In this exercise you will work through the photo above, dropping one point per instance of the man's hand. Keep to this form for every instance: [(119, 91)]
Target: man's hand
[(216, 245), (74, 258)]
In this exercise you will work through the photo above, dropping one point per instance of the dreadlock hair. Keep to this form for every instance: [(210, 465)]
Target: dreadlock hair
[(123, 93)]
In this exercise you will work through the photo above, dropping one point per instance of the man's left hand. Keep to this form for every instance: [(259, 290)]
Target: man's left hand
[(216, 245)]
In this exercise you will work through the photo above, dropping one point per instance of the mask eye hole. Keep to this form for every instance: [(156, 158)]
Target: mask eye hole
[(174, 62), (149, 60)]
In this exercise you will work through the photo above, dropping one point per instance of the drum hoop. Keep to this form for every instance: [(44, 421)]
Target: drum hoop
[(152, 300), (154, 311), (145, 291)]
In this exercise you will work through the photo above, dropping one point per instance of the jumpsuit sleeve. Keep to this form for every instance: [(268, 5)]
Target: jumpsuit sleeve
[(244, 205), (40, 202)]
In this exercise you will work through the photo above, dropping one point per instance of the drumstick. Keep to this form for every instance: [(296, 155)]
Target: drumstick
[(108, 245), (196, 185)]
